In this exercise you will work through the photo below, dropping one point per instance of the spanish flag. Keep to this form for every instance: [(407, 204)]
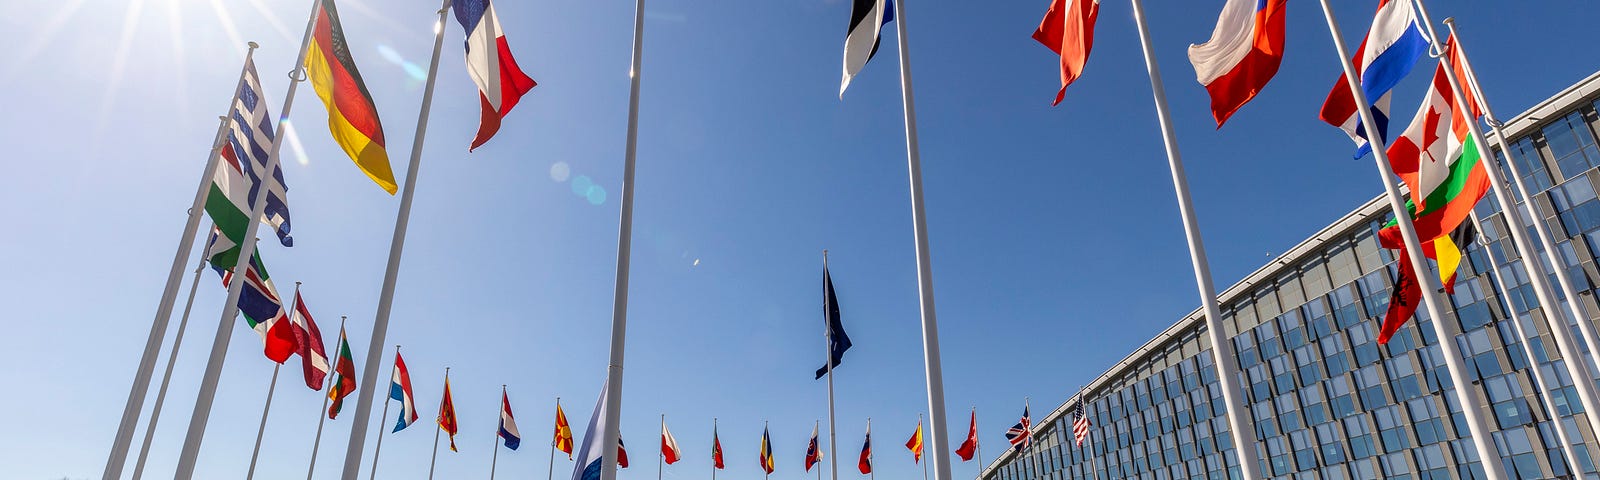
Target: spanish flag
[(352, 117)]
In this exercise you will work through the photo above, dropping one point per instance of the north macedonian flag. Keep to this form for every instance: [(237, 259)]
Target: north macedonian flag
[(352, 117)]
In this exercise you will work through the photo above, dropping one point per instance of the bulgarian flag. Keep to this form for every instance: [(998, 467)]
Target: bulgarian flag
[(1437, 159), (344, 380)]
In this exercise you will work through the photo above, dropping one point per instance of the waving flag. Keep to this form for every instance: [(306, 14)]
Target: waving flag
[(1242, 55), (867, 18), (447, 414), (865, 462), (1080, 425), (622, 453), (1068, 30), (838, 341), (1407, 294), (352, 116), (813, 454), (260, 305), (238, 176), (563, 438), (970, 446), (344, 380), (1392, 47), (669, 446), (313, 358), (716, 449), (915, 444), (1021, 434), (767, 463), (508, 423), (400, 390), (1437, 159), (500, 82), (590, 459)]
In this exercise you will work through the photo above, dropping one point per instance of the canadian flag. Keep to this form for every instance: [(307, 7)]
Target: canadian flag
[(669, 446)]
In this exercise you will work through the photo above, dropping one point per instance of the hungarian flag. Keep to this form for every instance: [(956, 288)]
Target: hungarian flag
[(352, 116), (1438, 161), (259, 304), (865, 462), (767, 463), (344, 376), (716, 449), (915, 443), (313, 358), (813, 452), (563, 438), (669, 446), (500, 82), (1242, 56), (508, 423), (970, 446), (447, 414), (1068, 30)]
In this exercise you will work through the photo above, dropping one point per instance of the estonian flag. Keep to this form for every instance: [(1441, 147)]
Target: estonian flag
[(867, 18)]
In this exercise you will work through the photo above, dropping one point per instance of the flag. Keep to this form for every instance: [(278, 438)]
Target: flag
[(400, 389), (1407, 294), (622, 453), (970, 446), (1391, 48), (838, 341), (865, 463), (1080, 426), (508, 423), (867, 18), (447, 414), (352, 116), (915, 444), (1021, 435), (313, 358), (260, 305), (1242, 55), (813, 453), (669, 446), (238, 175), (563, 438), (1068, 30), (1438, 161), (716, 449), (344, 379), (500, 82), (767, 463), (589, 454)]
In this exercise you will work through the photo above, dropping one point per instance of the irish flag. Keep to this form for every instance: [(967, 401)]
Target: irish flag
[(1438, 162)]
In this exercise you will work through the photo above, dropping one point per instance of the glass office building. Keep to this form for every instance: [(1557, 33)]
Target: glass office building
[(1328, 402)]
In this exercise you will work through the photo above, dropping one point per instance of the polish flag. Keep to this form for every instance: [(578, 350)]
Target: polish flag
[(1242, 55), (669, 446)]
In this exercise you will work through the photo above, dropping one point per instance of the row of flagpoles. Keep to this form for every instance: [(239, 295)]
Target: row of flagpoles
[(1234, 66)]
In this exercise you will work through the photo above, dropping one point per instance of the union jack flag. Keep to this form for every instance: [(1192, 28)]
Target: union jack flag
[(1021, 435), (1080, 426)]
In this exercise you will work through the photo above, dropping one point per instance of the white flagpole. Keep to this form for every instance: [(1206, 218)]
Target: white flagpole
[(919, 222), (247, 248), (272, 387), (827, 362), (1240, 424), (765, 444), (819, 448), (172, 358), (1568, 345), (1444, 328), (378, 447), (322, 416), (436, 429), (1094, 467), (169, 294), (494, 459), (714, 444), (924, 465), (977, 446), (551, 473), (391, 273), (659, 454), (619, 305), (872, 473)]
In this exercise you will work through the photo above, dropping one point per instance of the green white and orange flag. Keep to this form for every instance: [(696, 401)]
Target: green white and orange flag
[(1438, 161), (352, 117), (344, 376)]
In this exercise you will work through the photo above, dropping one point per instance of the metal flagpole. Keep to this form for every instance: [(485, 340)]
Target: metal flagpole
[(619, 304), (659, 454), (977, 446), (872, 473), (919, 221), (391, 273), (219, 346), (551, 474), (1094, 464), (327, 388), (1444, 327), (381, 418), (827, 362), (714, 444), (924, 465), (169, 293), (1239, 420), (436, 429), (819, 450), (272, 387), (1537, 275), (494, 459), (1533, 363), (172, 358)]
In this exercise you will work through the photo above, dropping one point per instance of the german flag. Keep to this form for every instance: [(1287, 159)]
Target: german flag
[(352, 117)]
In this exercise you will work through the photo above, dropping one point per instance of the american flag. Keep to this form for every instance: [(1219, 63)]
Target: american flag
[(1020, 435), (1080, 426)]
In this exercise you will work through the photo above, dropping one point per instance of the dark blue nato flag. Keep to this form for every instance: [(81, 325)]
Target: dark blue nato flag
[(838, 341)]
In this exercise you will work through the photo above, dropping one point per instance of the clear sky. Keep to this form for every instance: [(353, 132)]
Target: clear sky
[(1055, 240)]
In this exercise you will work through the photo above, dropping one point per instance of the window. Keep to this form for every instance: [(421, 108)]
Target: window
[(1571, 145), (1534, 174)]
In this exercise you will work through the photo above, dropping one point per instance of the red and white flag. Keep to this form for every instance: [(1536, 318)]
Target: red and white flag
[(500, 82), (669, 446), (313, 358), (1068, 30), (1242, 55)]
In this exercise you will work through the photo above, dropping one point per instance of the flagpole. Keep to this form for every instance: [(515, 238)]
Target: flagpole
[(977, 445), (919, 221), (383, 418), (437, 428), (924, 465), (551, 474), (494, 459), (659, 454), (272, 387), (172, 358), (1445, 329), (158, 327), (814, 426), (1239, 420), (827, 362), (872, 472), (1094, 467), (328, 387), (219, 346), (391, 273), (1538, 377), (619, 305), (1569, 347), (765, 445), (714, 444)]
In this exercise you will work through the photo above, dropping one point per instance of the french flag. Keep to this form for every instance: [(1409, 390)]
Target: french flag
[(1392, 47), (500, 82), (1242, 55)]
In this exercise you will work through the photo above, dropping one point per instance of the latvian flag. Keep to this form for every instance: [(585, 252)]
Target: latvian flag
[(1391, 49), (1242, 55), (867, 18), (500, 82)]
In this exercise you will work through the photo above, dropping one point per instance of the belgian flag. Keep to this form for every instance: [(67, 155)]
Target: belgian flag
[(352, 117)]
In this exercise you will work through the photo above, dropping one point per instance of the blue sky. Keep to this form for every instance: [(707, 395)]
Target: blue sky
[(1056, 243)]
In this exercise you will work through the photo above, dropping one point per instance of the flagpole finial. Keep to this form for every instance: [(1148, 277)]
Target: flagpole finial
[(252, 45), (1450, 21)]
